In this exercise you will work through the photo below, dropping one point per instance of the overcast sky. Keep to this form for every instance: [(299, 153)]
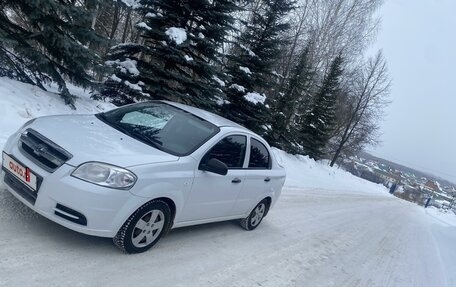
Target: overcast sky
[(418, 38)]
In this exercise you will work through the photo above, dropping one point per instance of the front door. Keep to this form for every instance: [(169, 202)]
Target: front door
[(213, 195)]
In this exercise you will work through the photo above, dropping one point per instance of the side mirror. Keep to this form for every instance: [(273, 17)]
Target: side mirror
[(215, 166)]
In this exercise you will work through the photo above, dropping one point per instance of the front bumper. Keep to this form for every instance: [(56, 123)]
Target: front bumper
[(65, 199)]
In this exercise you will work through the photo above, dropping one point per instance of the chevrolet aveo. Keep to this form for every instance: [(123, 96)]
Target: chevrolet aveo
[(135, 172)]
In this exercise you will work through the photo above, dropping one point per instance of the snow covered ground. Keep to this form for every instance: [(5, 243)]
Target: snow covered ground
[(329, 228), (311, 238)]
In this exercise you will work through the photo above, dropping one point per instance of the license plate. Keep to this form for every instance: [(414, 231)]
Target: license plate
[(23, 173)]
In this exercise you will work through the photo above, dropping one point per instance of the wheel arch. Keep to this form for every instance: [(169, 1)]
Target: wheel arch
[(269, 202), (136, 203), (172, 206)]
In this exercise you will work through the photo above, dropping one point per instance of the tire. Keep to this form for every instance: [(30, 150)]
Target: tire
[(144, 228), (256, 216)]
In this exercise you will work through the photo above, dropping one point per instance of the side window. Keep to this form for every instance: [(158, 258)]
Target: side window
[(259, 155), (230, 150)]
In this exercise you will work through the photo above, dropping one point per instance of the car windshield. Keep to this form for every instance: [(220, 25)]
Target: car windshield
[(162, 126)]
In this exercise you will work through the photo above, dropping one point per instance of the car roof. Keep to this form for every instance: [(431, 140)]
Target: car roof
[(208, 116)]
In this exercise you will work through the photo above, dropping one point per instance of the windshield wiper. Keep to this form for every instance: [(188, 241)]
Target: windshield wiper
[(138, 136), (151, 140)]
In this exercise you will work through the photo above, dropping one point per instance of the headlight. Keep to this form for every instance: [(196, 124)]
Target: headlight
[(105, 175)]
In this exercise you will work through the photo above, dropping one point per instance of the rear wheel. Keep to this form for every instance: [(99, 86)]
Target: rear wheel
[(256, 216), (144, 227)]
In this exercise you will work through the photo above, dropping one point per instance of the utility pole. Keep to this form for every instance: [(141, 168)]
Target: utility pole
[(428, 201)]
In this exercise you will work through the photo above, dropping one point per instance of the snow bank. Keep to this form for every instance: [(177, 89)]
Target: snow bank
[(178, 35), (303, 172), (444, 217), (21, 102)]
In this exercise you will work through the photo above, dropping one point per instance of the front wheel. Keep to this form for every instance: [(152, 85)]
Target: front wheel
[(254, 219), (144, 227)]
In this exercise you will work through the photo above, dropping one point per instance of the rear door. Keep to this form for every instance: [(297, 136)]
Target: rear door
[(259, 177), (213, 195)]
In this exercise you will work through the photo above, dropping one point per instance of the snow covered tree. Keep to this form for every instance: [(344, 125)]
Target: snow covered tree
[(319, 120), (115, 20), (47, 40), (251, 62), (176, 56), (287, 106)]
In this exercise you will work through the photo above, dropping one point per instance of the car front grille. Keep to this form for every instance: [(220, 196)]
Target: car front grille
[(42, 151)]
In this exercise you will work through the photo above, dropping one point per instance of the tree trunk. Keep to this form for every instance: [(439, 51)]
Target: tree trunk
[(127, 23), (336, 155), (95, 16), (344, 139), (115, 21)]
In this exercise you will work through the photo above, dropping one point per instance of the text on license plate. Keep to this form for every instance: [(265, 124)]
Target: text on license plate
[(21, 172)]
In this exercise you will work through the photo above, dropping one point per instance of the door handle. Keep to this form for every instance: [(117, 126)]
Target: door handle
[(236, 180), (267, 179)]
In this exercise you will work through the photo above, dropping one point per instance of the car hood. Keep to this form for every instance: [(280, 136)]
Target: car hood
[(89, 139)]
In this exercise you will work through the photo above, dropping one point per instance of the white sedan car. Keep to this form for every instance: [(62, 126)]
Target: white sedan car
[(135, 172)]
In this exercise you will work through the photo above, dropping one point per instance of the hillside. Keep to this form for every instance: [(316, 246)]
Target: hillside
[(404, 168)]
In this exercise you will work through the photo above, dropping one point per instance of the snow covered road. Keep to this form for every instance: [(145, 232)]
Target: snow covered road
[(311, 238)]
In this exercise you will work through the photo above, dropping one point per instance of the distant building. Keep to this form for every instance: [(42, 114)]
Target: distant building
[(431, 186), (388, 177), (411, 187)]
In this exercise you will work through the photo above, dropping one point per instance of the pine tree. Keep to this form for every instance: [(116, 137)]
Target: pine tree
[(47, 40), (286, 108), (250, 65), (175, 60), (319, 120)]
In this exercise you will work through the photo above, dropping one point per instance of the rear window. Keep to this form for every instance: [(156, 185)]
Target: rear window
[(162, 126), (259, 155)]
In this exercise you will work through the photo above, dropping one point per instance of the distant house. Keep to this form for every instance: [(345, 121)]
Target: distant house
[(431, 186), (388, 177), (411, 194), (441, 198)]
